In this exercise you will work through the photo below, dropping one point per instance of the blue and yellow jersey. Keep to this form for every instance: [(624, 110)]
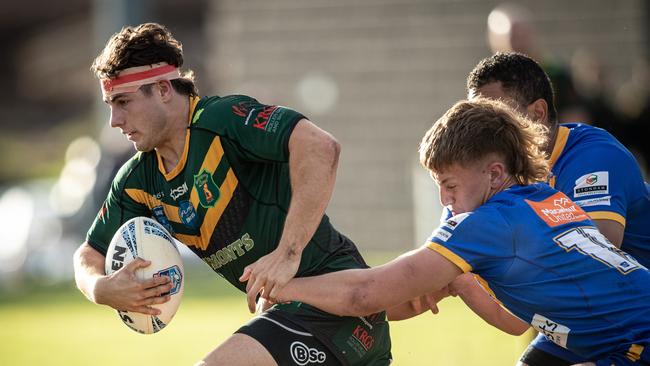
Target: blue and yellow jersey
[(598, 173), (544, 260)]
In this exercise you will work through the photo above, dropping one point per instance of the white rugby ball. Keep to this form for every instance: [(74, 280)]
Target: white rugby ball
[(145, 238)]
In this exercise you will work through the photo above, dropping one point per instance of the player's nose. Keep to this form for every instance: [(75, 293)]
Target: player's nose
[(117, 119)]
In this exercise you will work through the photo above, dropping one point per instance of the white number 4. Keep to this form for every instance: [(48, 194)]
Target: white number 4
[(589, 241)]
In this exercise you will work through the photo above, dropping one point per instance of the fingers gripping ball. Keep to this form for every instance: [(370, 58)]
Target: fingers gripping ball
[(145, 238)]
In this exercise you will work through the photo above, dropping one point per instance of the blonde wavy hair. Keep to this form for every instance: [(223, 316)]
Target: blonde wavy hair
[(470, 130)]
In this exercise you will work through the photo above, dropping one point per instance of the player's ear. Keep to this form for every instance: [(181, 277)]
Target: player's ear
[(538, 110), (498, 173), (165, 89)]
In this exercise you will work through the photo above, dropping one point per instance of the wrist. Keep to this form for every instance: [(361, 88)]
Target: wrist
[(292, 250), (95, 290)]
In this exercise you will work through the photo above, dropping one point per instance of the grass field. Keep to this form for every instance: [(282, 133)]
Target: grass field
[(55, 325)]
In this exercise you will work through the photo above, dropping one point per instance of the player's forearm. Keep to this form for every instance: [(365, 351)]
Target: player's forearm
[(88, 270), (489, 310), (313, 161), (344, 293)]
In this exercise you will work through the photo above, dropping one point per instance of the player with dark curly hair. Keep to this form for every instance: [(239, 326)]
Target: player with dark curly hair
[(238, 182)]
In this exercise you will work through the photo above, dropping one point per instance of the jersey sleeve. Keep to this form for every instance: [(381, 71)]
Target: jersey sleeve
[(261, 132), (602, 180), (476, 242), (116, 210)]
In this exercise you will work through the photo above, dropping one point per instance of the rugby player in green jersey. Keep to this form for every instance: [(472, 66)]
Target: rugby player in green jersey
[(238, 182)]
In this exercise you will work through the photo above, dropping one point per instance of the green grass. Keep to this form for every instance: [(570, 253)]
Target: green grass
[(55, 325)]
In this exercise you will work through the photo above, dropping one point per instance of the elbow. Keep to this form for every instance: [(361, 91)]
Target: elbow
[(363, 302), (333, 149)]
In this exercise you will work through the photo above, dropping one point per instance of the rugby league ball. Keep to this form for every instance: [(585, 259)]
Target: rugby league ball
[(145, 238)]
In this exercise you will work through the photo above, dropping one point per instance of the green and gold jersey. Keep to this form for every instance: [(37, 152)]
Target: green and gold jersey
[(228, 197)]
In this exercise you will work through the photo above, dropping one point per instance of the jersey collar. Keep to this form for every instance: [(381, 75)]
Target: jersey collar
[(558, 146), (181, 164)]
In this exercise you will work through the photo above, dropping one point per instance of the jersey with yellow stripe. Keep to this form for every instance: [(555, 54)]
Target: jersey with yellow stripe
[(547, 264), (229, 195), (596, 171)]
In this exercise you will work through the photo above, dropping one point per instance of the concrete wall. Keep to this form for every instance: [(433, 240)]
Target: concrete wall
[(377, 73)]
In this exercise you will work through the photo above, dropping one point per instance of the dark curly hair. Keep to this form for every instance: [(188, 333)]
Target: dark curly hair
[(144, 44), (521, 77)]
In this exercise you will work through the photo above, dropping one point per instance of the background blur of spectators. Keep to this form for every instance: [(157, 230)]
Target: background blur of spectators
[(583, 91)]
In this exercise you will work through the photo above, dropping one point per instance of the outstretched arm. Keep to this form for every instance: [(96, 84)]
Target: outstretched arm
[(485, 306), (360, 292), (313, 160)]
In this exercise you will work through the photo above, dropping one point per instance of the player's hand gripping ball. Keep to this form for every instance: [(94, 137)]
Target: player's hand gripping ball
[(145, 238)]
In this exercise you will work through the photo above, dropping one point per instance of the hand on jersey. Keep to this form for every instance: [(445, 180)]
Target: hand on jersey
[(269, 274), (122, 290)]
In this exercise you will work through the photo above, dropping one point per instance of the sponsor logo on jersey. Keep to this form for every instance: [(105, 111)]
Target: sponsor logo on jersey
[(557, 210), (207, 189), (178, 191), (598, 201), (188, 214), (230, 253), (555, 332), (102, 211), (241, 109), (175, 274), (441, 234), (363, 337), (444, 232), (302, 354), (454, 221), (264, 119), (159, 215), (592, 184)]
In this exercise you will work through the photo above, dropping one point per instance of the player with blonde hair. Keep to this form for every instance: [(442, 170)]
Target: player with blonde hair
[(540, 254)]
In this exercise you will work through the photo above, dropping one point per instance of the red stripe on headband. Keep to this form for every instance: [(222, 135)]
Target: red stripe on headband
[(109, 84)]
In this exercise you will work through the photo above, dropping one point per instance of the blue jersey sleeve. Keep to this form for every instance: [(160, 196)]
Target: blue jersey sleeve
[(602, 179), (477, 241)]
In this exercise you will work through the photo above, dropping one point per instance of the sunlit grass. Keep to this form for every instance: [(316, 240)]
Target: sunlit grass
[(57, 326)]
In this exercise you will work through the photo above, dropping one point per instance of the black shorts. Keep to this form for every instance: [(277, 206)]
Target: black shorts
[(297, 334), (536, 357)]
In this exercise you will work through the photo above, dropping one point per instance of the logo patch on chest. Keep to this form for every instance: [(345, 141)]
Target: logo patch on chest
[(206, 188)]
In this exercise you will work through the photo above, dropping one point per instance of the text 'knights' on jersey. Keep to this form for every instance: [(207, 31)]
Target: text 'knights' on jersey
[(544, 260), (228, 197), (597, 172)]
